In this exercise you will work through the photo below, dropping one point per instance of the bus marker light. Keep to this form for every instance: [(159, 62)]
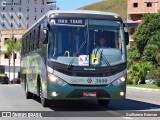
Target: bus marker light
[(116, 16)]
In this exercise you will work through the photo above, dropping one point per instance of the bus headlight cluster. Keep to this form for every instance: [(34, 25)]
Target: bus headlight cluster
[(55, 79), (52, 78), (119, 80)]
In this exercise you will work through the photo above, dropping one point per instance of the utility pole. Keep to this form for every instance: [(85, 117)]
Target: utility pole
[(14, 65)]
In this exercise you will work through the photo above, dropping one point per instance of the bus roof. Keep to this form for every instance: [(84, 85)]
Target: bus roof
[(86, 14), (82, 12)]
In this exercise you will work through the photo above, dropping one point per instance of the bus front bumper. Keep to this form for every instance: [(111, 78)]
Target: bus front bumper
[(73, 92)]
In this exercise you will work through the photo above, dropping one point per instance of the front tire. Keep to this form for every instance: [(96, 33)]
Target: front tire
[(103, 103), (45, 102)]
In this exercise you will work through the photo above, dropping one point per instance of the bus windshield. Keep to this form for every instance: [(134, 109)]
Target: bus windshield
[(101, 38)]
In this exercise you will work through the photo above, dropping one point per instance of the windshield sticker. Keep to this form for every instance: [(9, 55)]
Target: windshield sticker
[(94, 59), (84, 60)]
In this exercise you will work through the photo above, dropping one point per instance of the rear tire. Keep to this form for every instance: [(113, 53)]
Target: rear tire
[(103, 103), (28, 94)]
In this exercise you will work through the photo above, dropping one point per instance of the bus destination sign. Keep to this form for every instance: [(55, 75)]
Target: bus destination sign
[(70, 21)]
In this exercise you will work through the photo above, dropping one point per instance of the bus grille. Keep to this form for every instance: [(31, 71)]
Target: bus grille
[(89, 74)]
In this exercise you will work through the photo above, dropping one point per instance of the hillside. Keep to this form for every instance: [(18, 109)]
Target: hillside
[(116, 6)]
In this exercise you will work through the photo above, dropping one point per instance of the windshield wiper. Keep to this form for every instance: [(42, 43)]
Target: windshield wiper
[(104, 58), (83, 44)]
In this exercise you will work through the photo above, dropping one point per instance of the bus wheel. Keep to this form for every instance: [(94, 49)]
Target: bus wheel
[(103, 103), (45, 102), (27, 93)]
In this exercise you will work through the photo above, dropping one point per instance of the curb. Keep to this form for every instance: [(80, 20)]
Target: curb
[(146, 89), (9, 84)]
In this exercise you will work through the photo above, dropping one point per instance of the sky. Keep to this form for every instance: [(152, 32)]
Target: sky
[(73, 4)]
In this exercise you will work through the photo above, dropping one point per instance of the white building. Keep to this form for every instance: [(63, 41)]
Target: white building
[(15, 17)]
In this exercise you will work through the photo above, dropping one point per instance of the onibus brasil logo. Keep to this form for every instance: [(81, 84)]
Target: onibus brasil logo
[(4, 3)]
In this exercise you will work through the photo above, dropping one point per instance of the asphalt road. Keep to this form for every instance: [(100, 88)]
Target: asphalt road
[(12, 99)]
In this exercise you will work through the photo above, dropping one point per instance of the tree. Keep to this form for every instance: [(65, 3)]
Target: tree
[(139, 71), (133, 56), (147, 39), (7, 53), (155, 74), (12, 47), (148, 27)]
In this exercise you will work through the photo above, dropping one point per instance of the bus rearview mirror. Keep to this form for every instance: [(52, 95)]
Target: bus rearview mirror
[(126, 38), (45, 37)]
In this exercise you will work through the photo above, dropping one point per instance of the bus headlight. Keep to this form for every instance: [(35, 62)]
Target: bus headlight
[(52, 78), (119, 80), (55, 79)]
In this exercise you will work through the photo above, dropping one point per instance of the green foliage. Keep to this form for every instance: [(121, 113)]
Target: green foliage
[(116, 6), (12, 47), (155, 74), (158, 58), (155, 43), (139, 71), (149, 26), (132, 56), (147, 39)]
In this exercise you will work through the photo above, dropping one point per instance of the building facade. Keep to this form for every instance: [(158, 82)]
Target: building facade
[(136, 9), (21, 14), (16, 16)]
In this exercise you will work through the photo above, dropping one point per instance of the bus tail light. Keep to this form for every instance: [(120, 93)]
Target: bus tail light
[(119, 80)]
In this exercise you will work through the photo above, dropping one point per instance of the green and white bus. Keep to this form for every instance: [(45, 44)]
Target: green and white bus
[(61, 58)]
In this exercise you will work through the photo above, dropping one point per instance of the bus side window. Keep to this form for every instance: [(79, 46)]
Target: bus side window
[(52, 40), (118, 40), (30, 42), (42, 34), (33, 42), (27, 44), (39, 36), (24, 45), (36, 39)]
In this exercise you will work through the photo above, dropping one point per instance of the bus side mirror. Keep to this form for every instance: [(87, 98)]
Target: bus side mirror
[(45, 34), (126, 38)]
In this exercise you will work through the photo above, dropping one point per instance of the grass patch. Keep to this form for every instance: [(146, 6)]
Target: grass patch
[(153, 86), (116, 6)]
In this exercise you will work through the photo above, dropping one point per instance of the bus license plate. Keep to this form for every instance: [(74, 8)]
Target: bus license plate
[(89, 94)]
